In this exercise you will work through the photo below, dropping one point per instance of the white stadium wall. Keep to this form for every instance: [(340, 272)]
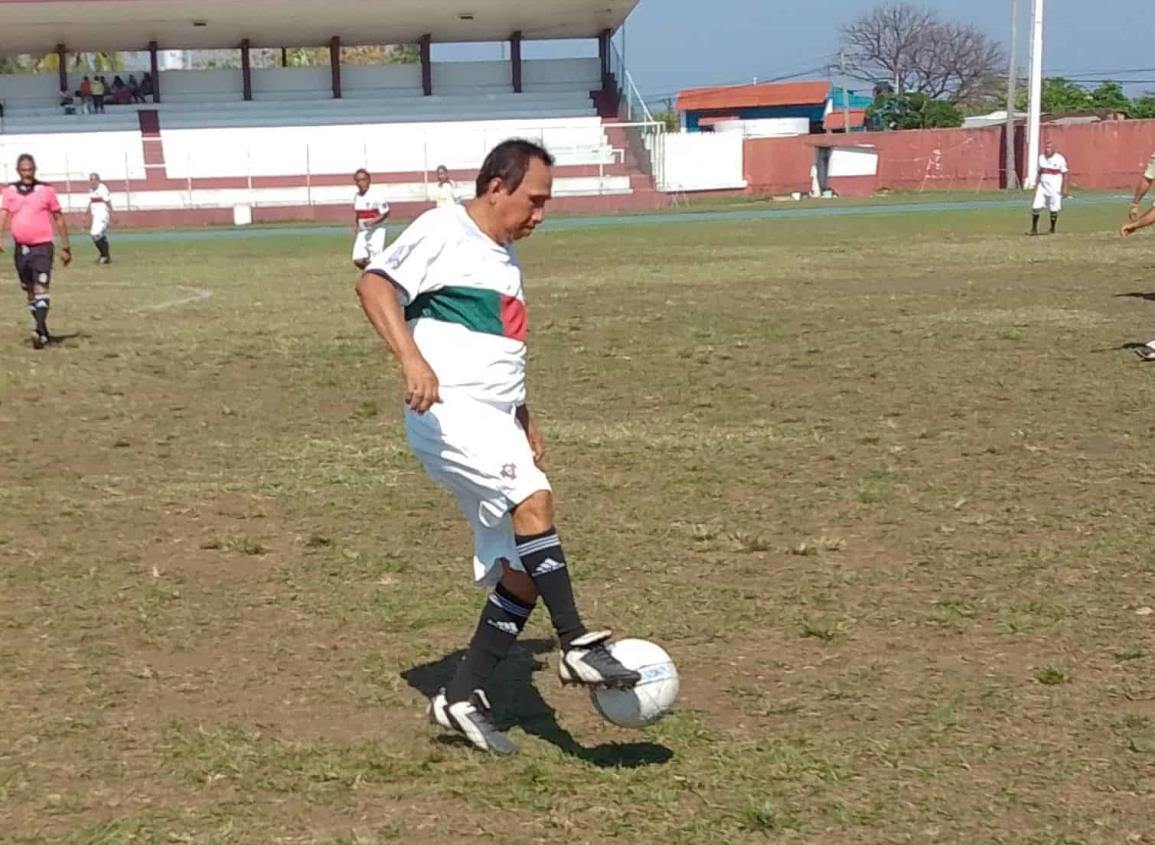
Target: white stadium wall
[(561, 75), (17, 90), (700, 161), (386, 80)]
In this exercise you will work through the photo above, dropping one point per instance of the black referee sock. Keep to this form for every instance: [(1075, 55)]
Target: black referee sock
[(543, 559), (502, 619)]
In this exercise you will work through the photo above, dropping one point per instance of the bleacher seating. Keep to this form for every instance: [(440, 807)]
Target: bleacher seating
[(294, 129)]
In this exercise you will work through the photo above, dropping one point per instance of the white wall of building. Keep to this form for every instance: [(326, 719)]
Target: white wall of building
[(700, 161)]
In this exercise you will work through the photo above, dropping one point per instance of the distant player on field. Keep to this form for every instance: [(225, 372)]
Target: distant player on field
[(369, 215), (99, 216), (447, 298), (445, 191), (1053, 179), (33, 211)]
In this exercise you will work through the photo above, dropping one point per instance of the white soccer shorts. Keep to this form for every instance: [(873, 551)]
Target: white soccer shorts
[(1050, 200), (480, 454), (99, 226), (368, 244)]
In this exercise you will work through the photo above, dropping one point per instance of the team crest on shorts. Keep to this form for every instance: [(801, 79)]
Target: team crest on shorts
[(509, 471)]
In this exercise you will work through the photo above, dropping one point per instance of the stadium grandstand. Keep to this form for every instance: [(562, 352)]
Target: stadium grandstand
[(283, 141)]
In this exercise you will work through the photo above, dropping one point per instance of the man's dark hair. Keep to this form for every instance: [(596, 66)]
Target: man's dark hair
[(508, 162), (359, 171), (26, 157)]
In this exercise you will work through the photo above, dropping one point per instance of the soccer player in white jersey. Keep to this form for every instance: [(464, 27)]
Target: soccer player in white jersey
[(447, 299), (445, 191), (99, 216), (1136, 221), (1054, 175), (369, 213)]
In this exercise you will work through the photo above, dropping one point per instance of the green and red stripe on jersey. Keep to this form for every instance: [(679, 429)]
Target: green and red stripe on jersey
[(368, 213), (479, 310)]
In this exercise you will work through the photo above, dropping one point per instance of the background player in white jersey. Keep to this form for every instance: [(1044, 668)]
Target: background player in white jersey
[(1053, 178), (447, 299), (99, 216), (369, 213), (445, 191), (1135, 222)]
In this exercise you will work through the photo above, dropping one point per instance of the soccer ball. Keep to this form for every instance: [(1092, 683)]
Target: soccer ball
[(654, 695)]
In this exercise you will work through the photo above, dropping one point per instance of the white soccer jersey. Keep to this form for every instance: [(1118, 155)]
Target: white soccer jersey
[(464, 302), (444, 193), (368, 208), (99, 200), (1052, 169)]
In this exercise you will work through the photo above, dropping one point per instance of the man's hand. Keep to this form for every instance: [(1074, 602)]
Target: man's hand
[(422, 390), (66, 255), (532, 434), (1129, 229)]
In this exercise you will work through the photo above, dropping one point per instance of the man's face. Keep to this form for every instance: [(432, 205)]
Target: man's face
[(442, 175), (93, 181), (361, 180), (1049, 149), (519, 212), (27, 171)]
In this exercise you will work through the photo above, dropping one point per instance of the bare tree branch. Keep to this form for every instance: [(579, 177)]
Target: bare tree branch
[(913, 49)]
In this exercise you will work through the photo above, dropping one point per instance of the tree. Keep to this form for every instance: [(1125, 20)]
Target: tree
[(1110, 96), (1142, 108), (911, 47), (912, 111)]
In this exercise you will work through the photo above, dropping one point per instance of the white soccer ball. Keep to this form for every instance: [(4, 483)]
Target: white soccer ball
[(654, 695)]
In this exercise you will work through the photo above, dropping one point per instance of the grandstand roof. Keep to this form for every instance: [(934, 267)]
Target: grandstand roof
[(37, 26), (753, 96)]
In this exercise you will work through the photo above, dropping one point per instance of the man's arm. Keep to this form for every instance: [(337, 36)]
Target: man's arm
[(382, 214), (62, 233), (1134, 226), (532, 433), (1067, 182), (379, 300), (3, 227), (1140, 191)]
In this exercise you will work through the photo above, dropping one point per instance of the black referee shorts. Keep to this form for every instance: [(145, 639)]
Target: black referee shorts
[(34, 264)]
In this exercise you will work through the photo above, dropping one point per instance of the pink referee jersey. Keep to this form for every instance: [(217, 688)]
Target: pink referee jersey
[(31, 213)]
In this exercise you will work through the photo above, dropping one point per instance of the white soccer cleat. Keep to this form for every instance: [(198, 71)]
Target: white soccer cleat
[(470, 719), (588, 662)]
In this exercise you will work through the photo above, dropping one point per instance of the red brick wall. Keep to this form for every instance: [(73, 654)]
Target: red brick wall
[(1105, 156)]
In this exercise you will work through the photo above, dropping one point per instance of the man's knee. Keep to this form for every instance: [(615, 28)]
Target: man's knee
[(535, 514)]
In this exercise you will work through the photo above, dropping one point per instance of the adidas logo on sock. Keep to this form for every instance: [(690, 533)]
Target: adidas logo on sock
[(548, 565), (504, 627)]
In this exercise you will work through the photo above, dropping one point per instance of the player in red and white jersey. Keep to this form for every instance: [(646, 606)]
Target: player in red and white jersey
[(369, 213), (33, 211), (1054, 175), (99, 216)]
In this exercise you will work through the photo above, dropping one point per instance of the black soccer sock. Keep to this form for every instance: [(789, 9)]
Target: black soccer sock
[(40, 312), (1035, 223), (543, 559), (103, 247), (502, 619), (1054, 221)]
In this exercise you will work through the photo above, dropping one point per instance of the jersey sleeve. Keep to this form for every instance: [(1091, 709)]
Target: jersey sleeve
[(51, 201), (105, 194), (383, 206), (1065, 168), (407, 261)]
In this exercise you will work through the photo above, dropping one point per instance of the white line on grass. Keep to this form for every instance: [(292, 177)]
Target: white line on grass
[(197, 295)]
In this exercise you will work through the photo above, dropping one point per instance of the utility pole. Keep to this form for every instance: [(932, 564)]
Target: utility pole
[(845, 94), (1035, 118), (1012, 82)]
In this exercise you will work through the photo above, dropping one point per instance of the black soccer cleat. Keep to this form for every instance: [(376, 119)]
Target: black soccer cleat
[(588, 662), (471, 719), (39, 341)]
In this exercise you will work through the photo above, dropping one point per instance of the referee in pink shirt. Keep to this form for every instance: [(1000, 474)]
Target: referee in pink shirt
[(33, 211)]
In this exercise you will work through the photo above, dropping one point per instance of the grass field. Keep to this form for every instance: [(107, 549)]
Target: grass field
[(881, 485)]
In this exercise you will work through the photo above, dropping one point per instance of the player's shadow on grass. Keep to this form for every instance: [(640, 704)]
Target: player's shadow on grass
[(518, 703)]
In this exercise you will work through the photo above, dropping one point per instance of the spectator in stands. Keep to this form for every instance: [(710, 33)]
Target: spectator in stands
[(445, 191), (67, 102), (146, 87), (134, 89), (98, 91), (86, 96)]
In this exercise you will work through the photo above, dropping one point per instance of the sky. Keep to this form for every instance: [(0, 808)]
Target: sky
[(669, 44)]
